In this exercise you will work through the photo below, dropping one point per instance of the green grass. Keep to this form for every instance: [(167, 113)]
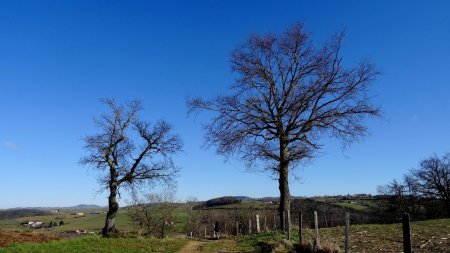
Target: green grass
[(89, 222), (363, 237), (9, 224), (258, 241), (97, 244), (359, 204), (181, 218), (367, 238), (434, 234), (355, 206), (225, 245), (95, 222)]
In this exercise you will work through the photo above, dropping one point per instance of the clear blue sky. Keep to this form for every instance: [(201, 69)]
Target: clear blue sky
[(58, 58)]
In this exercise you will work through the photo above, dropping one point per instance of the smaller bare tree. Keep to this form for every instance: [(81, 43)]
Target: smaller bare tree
[(412, 194), (396, 190), (433, 179), (129, 153), (154, 213), (191, 201), (402, 195)]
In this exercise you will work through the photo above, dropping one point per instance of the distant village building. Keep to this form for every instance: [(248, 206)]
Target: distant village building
[(78, 214), (32, 224), (78, 231)]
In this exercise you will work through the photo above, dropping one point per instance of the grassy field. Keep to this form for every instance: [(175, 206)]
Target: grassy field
[(89, 222), (225, 245), (12, 224), (94, 220), (433, 236), (355, 206), (358, 204), (427, 236), (97, 244)]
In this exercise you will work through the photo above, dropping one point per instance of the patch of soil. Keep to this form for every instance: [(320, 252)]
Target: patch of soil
[(9, 237)]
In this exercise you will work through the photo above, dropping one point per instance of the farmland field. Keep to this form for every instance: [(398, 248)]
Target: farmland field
[(427, 236)]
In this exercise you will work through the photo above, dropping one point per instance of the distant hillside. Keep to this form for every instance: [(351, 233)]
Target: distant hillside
[(46, 208), (226, 200), (83, 206), (18, 213), (274, 199), (242, 197)]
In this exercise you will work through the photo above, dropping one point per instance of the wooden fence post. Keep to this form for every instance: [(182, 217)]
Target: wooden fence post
[(274, 223), (265, 224), (300, 225), (288, 223), (406, 234), (347, 233), (237, 228), (316, 231), (258, 229), (250, 227)]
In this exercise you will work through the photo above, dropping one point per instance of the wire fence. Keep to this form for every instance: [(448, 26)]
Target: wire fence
[(346, 232)]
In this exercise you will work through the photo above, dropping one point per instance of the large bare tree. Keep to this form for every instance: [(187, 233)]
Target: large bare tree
[(130, 153), (289, 94)]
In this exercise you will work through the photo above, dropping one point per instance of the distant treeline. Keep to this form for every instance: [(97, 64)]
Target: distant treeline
[(372, 209), (385, 210), (227, 200), (18, 213), (419, 208)]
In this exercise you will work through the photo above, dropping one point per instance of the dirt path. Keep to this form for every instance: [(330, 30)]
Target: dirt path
[(192, 246)]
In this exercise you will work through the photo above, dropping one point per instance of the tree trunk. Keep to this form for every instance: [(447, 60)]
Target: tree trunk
[(112, 211), (283, 184)]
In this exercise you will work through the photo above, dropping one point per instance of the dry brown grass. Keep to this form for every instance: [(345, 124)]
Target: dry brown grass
[(10, 237), (324, 247)]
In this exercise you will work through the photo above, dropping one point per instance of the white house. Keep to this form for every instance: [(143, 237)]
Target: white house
[(33, 224)]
